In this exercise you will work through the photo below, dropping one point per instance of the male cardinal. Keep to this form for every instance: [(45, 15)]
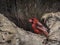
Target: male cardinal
[(38, 27)]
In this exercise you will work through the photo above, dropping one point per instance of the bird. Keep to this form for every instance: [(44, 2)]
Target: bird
[(38, 27)]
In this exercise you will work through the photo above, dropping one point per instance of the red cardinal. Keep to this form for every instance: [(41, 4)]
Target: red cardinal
[(38, 27)]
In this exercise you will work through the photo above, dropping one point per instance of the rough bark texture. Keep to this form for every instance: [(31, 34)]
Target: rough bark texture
[(19, 11), (53, 22), (10, 34)]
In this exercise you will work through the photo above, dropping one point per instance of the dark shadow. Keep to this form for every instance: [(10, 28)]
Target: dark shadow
[(19, 11)]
